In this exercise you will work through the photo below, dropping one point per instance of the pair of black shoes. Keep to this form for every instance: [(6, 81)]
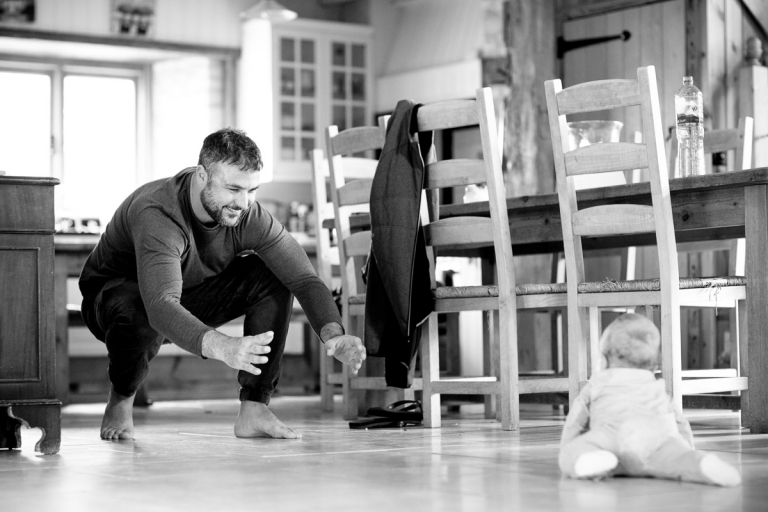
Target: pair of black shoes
[(405, 413)]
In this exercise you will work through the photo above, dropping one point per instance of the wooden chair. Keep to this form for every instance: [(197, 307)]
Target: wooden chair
[(668, 291), (331, 375), (502, 299), (350, 194), (737, 141), (327, 257)]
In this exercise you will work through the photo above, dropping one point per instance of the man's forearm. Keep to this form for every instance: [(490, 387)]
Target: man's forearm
[(331, 330)]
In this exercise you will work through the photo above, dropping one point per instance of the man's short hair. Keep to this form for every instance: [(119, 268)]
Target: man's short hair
[(230, 146), (634, 339)]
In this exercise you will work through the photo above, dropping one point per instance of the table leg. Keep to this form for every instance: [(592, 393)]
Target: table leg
[(46, 417), (755, 400)]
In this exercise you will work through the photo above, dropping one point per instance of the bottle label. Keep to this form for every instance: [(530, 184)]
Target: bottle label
[(688, 118)]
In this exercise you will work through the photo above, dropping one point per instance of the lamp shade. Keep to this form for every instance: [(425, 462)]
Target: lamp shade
[(269, 10)]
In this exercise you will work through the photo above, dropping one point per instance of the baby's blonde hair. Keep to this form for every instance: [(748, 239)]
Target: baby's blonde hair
[(632, 340)]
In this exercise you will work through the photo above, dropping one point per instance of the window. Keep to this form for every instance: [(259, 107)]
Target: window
[(99, 144), (25, 125), (321, 77), (90, 125), (298, 97), (75, 123)]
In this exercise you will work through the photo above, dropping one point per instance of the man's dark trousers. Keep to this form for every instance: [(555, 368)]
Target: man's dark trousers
[(116, 316)]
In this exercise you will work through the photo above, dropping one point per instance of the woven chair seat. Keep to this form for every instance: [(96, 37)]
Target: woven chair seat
[(643, 285), (458, 292), (606, 286)]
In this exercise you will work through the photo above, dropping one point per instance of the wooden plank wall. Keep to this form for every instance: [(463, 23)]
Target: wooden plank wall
[(657, 38)]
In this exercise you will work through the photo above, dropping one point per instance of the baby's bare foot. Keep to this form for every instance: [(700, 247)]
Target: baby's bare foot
[(118, 417), (255, 420)]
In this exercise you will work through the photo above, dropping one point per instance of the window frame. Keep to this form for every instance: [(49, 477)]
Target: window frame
[(57, 70), (324, 34)]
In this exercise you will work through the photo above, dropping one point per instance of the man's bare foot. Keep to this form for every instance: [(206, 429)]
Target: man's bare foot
[(255, 420), (118, 417)]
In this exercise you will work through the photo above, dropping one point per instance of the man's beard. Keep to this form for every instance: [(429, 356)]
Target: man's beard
[(218, 213)]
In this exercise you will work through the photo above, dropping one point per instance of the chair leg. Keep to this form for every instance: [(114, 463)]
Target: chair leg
[(594, 340), (743, 358), (578, 336), (671, 352), (326, 388), (508, 374), (430, 372), (350, 395), (649, 312), (490, 363)]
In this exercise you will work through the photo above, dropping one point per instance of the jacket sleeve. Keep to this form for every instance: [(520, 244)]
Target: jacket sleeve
[(577, 421)]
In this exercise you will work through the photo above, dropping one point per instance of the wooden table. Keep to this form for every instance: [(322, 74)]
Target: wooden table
[(711, 207), (71, 252)]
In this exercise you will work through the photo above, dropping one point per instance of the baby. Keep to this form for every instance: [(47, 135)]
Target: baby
[(624, 423)]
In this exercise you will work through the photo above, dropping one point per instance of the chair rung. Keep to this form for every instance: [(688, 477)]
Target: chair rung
[(697, 386), (467, 386), (542, 385), (709, 374)]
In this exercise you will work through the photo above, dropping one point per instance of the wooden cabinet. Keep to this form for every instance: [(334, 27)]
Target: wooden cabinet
[(27, 343)]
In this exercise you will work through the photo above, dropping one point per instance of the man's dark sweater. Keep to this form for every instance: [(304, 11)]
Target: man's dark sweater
[(155, 239)]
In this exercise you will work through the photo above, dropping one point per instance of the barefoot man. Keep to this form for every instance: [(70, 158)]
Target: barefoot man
[(185, 254)]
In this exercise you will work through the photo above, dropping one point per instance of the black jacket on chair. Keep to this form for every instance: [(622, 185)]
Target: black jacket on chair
[(399, 293)]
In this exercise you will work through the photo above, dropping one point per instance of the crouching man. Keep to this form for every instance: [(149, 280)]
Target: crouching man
[(186, 254)]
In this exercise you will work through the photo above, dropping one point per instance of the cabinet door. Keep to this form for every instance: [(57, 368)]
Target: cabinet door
[(26, 317), (322, 76)]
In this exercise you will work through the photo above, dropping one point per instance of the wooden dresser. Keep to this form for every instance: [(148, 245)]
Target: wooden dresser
[(27, 321)]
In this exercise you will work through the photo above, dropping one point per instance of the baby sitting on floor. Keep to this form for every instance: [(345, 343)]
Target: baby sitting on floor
[(624, 423)]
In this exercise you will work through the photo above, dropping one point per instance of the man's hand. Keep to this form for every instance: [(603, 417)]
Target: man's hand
[(238, 353), (347, 349)]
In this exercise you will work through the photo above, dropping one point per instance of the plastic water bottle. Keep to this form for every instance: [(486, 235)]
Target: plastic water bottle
[(689, 107)]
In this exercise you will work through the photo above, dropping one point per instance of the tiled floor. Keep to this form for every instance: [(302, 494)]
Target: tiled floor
[(186, 458)]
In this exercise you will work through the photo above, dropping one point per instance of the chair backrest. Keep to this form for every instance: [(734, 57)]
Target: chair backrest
[(613, 156), (464, 231), (350, 185), (322, 210), (723, 140)]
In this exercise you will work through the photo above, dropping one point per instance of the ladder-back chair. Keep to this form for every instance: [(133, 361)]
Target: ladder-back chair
[(502, 299), (668, 291), (327, 258), (738, 142), (350, 197)]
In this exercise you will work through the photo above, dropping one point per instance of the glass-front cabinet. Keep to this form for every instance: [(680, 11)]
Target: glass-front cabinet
[(322, 77)]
